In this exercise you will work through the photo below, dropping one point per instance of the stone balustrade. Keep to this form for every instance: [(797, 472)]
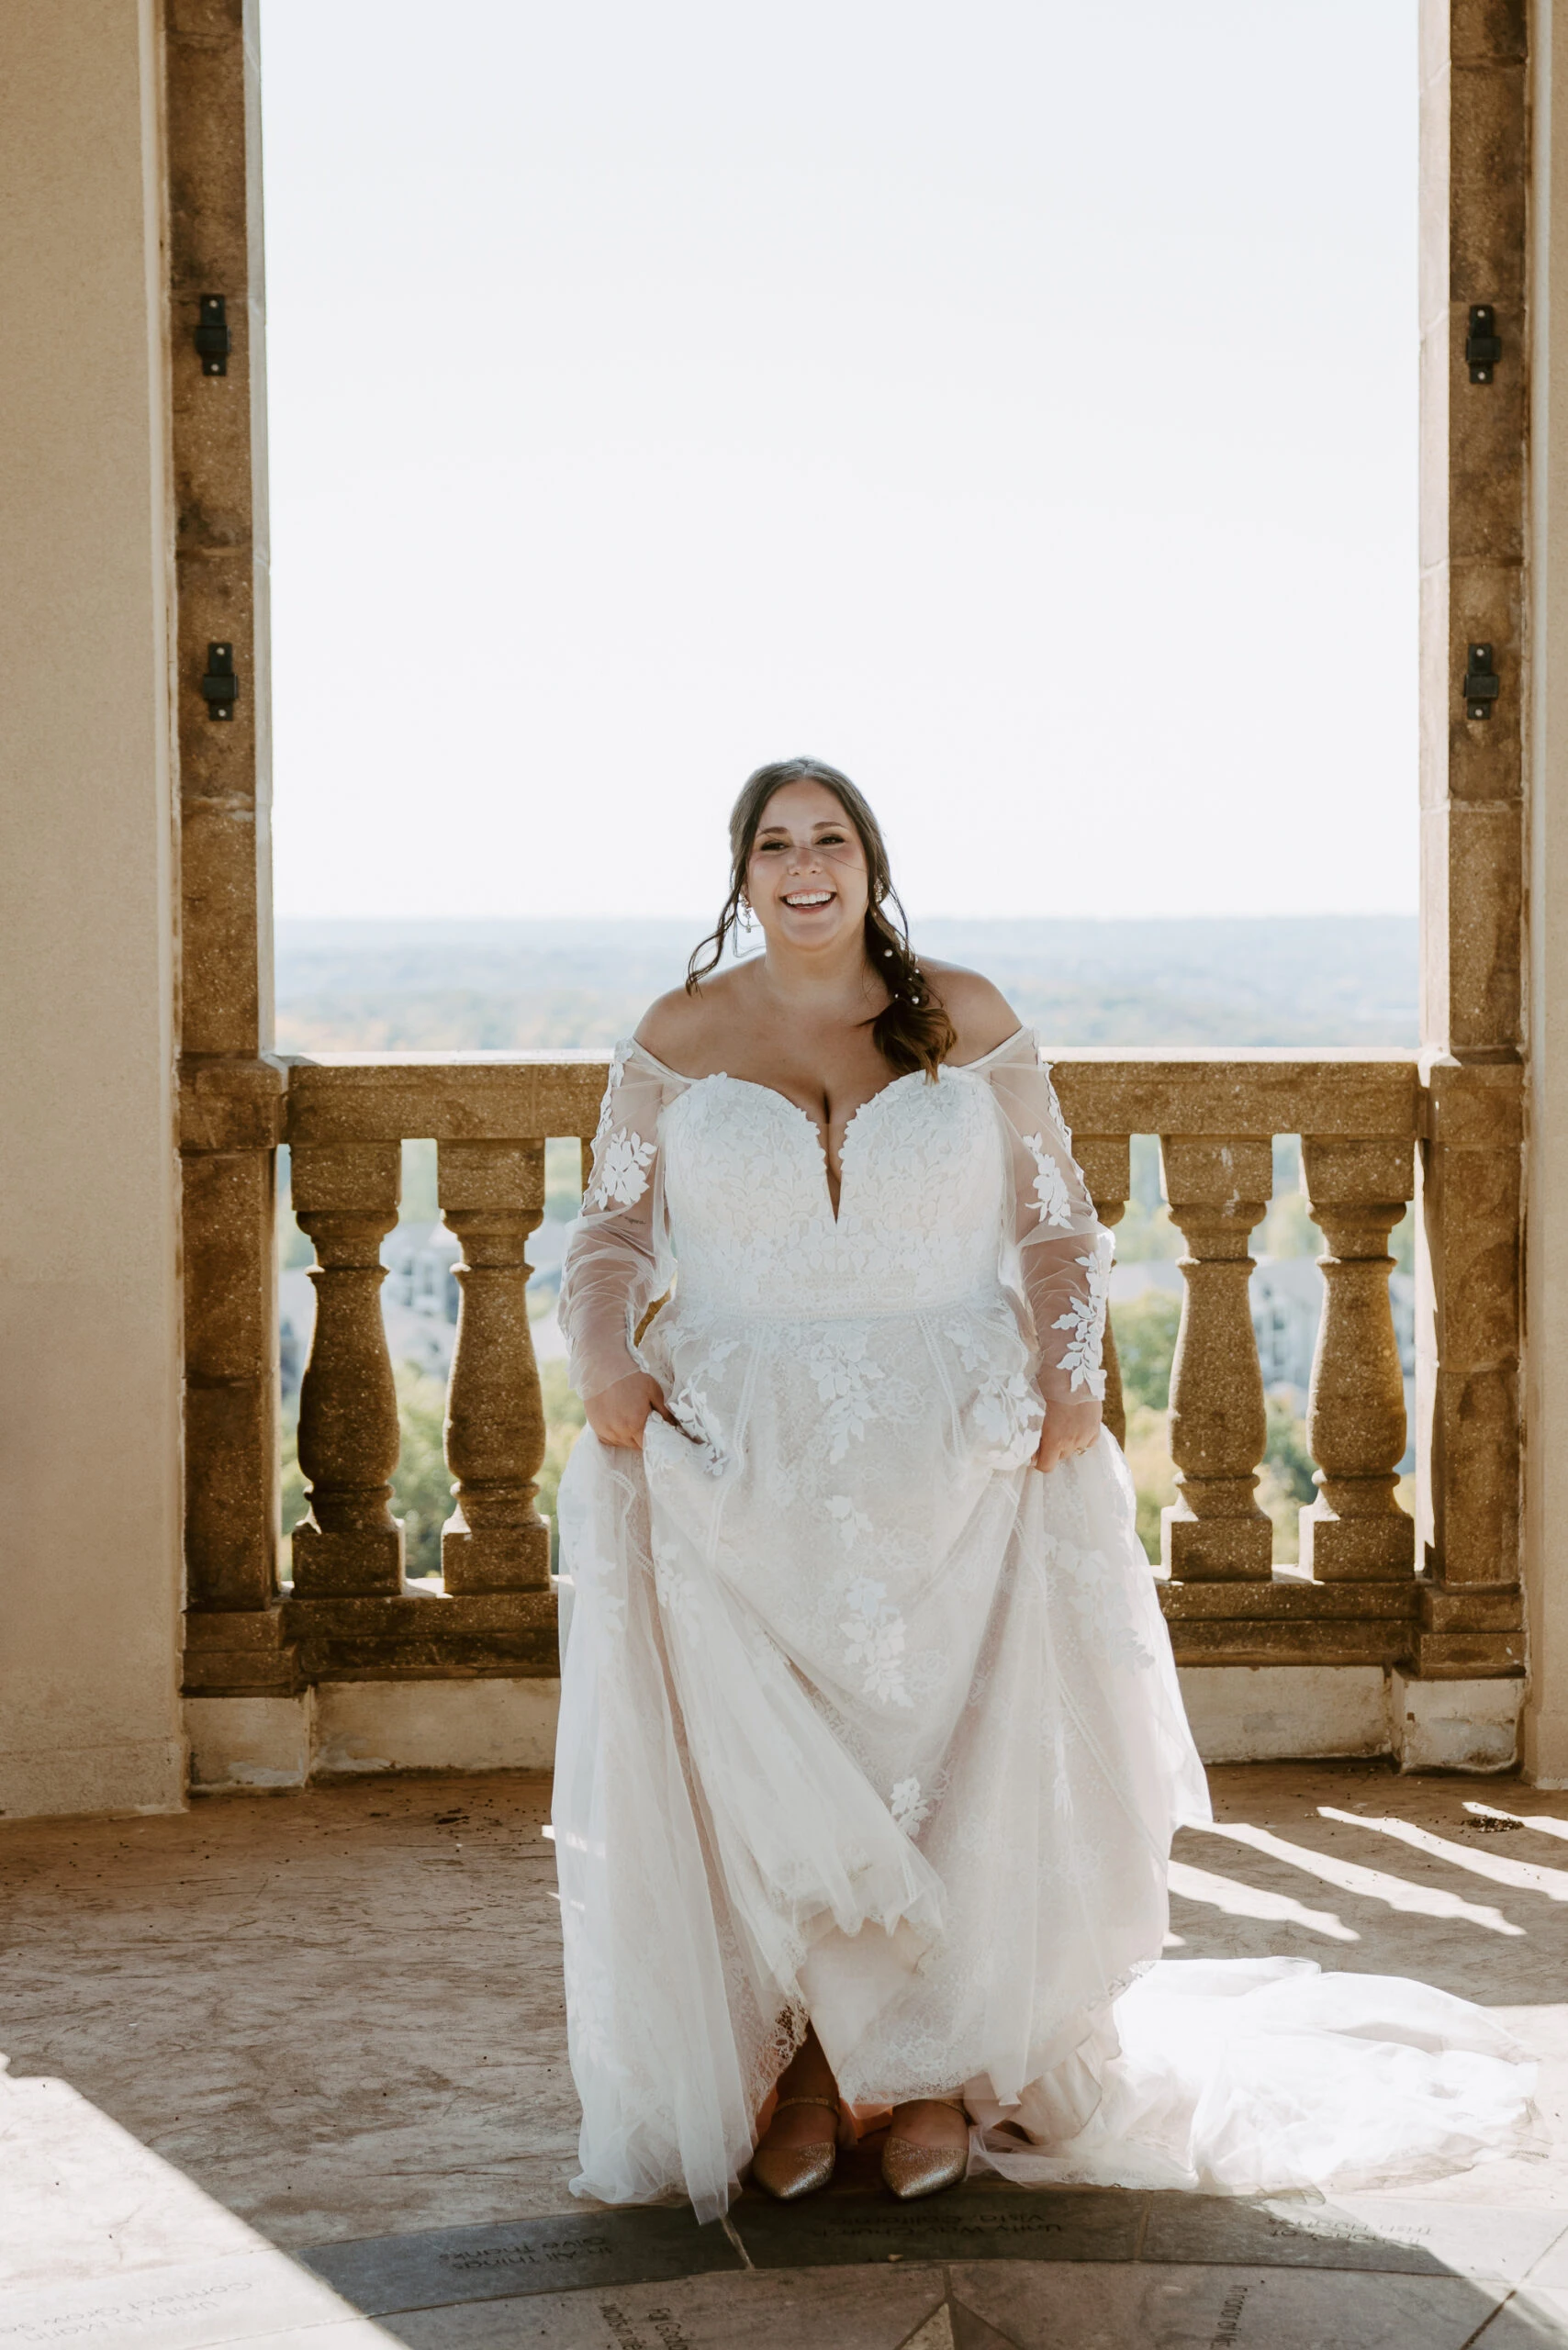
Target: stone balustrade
[(351, 1612), (1355, 1597)]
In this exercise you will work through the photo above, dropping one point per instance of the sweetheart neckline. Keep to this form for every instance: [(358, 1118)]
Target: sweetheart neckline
[(755, 1085)]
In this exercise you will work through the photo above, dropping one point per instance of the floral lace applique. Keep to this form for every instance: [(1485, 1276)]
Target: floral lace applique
[(592, 1571), (1005, 1407), (910, 1811), (1061, 1126), (853, 1523), (1085, 1317), (1053, 1200), (1091, 1582), (623, 1173), (876, 1636), (843, 1370), (675, 1586)]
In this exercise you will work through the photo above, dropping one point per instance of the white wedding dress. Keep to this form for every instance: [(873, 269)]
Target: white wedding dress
[(866, 1721)]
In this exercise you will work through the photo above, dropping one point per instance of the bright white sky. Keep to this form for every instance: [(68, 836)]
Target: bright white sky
[(1014, 402)]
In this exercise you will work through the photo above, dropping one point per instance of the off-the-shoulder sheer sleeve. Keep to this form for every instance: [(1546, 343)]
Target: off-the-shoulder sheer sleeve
[(618, 1255), (1055, 1253)]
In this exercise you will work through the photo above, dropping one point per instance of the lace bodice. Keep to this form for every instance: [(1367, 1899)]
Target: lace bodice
[(949, 1189)]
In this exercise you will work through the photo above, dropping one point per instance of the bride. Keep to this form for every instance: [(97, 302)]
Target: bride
[(871, 1748)]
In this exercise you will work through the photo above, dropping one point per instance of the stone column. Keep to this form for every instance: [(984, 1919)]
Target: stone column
[(492, 1196), (1219, 1190), (1106, 1162), (230, 1087), (1355, 1416), (1546, 1105), (1475, 157), (345, 1197)]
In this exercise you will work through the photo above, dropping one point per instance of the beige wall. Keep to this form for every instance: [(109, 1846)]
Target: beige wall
[(89, 1399)]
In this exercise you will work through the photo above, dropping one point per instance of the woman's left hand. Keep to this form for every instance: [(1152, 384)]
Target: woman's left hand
[(1071, 1428)]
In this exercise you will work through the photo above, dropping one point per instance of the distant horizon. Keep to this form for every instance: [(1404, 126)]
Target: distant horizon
[(392, 982), (508, 921)]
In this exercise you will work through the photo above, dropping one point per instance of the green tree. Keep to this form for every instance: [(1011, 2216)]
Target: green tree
[(1285, 1480), (1145, 1328), (422, 1483)]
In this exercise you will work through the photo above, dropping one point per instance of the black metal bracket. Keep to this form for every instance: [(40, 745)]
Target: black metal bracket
[(221, 686), (213, 338), (1481, 687), (1481, 347)]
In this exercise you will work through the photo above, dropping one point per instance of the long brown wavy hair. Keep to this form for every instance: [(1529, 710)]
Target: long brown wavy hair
[(912, 1031)]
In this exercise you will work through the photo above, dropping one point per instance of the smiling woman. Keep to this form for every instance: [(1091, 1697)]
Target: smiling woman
[(802, 837), (870, 1747)]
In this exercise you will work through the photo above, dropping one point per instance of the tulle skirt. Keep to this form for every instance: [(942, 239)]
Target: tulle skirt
[(884, 1733)]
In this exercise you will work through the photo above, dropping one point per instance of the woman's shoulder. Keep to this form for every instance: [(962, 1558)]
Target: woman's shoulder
[(681, 1029), (977, 1009)]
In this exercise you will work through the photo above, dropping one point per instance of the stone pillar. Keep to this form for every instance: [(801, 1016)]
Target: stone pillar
[(1219, 1190), (1546, 1101), (230, 1089), (345, 1197), (492, 1196), (1355, 1530), (89, 1270), (1475, 146), (1107, 1164)]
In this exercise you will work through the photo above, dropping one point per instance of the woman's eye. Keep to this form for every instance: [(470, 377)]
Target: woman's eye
[(765, 847)]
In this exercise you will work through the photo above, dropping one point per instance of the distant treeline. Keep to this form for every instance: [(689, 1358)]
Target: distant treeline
[(1345, 980)]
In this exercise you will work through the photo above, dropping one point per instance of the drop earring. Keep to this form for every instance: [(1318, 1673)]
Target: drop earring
[(748, 919)]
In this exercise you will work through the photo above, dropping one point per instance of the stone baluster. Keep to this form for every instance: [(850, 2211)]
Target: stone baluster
[(345, 1197), (1106, 1162), (1355, 1530), (1219, 1190), (492, 1196)]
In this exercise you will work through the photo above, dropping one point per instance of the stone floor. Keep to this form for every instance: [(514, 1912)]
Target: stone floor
[(290, 2070)]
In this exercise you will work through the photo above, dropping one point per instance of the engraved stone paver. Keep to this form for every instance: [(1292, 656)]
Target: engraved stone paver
[(443, 2264), (969, 2223), (841, 2309), (1072, 2307)]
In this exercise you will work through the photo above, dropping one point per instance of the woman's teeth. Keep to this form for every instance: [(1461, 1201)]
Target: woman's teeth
[(808, 897)]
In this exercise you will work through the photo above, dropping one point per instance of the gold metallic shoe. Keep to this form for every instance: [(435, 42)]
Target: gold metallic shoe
[(911, 2170), (789, 2171)]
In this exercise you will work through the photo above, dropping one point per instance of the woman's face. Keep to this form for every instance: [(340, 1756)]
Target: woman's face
[(806, 878)]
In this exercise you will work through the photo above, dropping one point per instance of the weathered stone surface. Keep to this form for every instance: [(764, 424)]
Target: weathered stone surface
[(345, 1197), (1217, 1094), (1217, 1190), (1468, 1344), (1474, 169), (357, 1637), (1152, 2307), (231, 1098), (1106, 1162), (1355, 1192), (492, 1196), (240, 1651), (462, 1097), (231, 1104)]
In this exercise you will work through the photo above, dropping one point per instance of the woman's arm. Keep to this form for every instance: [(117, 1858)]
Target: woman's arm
[(1064, 1254), (617, 1260)]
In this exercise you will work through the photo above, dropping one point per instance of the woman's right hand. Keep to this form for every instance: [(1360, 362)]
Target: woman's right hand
[(618, 1415)]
